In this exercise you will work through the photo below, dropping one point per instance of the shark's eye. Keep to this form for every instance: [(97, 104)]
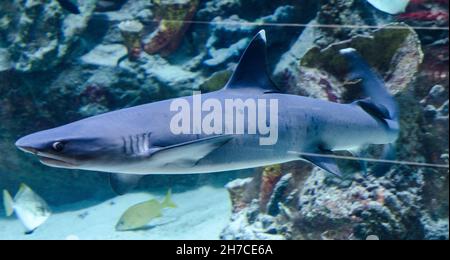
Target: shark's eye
[(58, 146)]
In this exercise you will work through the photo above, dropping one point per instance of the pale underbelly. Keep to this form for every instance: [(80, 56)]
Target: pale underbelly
[(215, 163)]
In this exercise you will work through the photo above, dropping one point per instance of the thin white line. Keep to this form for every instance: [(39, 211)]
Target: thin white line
[(333, 26), (417, 164)]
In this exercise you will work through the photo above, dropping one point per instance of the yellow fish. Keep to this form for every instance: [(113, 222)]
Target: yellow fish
[(138, 216)]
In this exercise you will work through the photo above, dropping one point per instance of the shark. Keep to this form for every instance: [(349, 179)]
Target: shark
[(133, 142)]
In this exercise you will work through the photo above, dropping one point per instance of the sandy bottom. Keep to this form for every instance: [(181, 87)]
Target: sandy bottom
[(201, 214)]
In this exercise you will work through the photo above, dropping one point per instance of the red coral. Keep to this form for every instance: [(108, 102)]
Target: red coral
[(434, 15), (435, 66), (94, 93), (270, 178), (329, 90), (172, 27), (426, 10), (421, 2)]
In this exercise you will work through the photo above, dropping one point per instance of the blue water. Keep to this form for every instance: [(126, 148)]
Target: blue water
[(57, 67)]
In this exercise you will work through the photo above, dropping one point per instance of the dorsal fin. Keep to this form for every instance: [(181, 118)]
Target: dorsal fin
[(251, 72)]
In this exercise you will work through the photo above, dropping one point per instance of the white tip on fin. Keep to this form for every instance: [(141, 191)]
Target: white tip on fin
[(347, 51), (8, 203), (262, 34)]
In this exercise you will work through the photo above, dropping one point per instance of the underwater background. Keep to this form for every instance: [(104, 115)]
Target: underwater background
[(57, 67)]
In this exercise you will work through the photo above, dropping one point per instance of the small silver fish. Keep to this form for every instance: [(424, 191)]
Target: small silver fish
[(30, 209), (138, 216)]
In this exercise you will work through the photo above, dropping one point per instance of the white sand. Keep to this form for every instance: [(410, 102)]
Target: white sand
[(201, 214)]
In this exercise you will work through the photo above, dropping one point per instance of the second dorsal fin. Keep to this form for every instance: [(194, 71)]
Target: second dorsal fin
[(251, 72)]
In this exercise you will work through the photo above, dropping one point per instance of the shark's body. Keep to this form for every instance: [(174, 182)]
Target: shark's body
[(306, 125), (138, 141)]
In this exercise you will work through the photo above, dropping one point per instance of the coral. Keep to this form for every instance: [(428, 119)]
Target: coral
[(386, 207), (424, 16), (5, 63), (217, 81), (221, 56), (109, 5), (243, 227), (424, 10), (132, 35), (341, 12), (238, 190), (278, 195), (270, 177), (427, 14), (174, 78), (172, 15), (39, 34), (436, 121), (436, 230), (432, 88), (435, 68), (107, 55)]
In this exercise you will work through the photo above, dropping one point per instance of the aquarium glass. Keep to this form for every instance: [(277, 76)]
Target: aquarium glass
[(359, 92)]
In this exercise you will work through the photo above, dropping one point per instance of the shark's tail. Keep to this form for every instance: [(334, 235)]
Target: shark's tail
[(379, 103)]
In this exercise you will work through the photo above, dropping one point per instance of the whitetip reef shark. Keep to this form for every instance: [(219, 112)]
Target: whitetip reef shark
[(134, 142)]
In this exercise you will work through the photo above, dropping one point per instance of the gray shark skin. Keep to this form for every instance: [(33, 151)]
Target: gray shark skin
[(138, 141)]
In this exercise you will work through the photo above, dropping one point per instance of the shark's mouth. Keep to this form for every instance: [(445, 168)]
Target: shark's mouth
[(49, 159), (54, 162)]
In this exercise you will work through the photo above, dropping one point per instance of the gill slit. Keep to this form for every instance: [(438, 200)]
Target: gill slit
[(136, 144)]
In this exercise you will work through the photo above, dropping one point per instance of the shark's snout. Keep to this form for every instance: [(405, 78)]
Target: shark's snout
[(29, 144), (25, 145)]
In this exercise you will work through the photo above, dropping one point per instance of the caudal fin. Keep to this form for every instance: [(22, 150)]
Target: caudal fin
[(380, 102), (168, 203), (8, 203)]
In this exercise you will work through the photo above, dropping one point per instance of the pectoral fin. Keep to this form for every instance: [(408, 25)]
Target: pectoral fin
[(190, 153), (326, 162), (123, 183), (361, 153), (376, 110)]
